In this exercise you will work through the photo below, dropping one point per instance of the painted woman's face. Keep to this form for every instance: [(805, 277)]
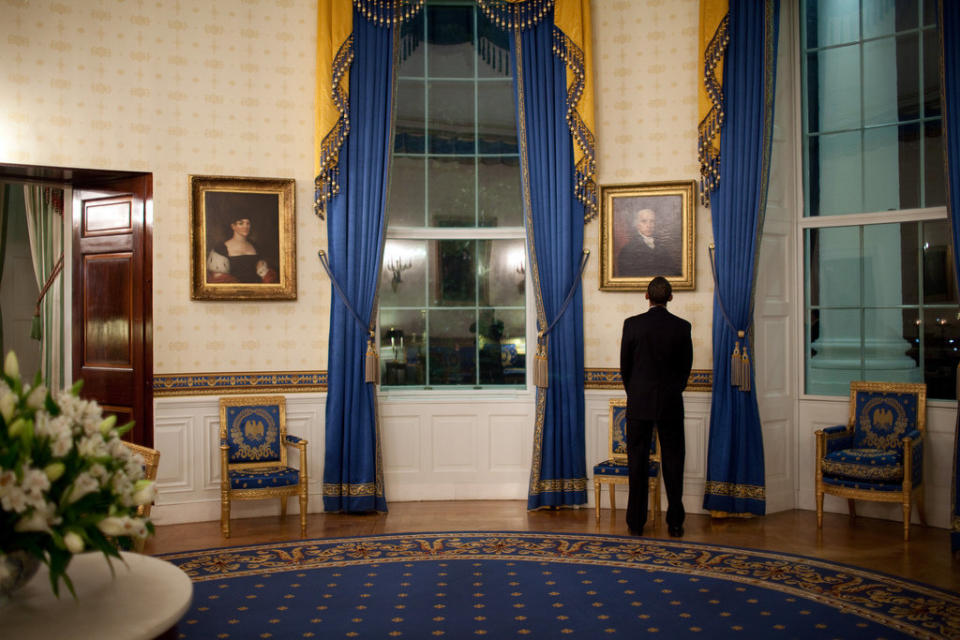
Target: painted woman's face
[(241, 227)]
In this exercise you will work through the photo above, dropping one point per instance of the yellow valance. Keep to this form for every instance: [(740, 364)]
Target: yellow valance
[(714, 37), (572, 43)]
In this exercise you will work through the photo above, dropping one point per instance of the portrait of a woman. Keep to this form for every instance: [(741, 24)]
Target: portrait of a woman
[(237, 259), (242, 244)]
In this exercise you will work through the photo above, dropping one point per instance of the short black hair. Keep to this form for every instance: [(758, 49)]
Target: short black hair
[(659, 290)]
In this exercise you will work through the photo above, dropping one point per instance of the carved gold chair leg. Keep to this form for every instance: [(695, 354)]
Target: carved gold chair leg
[(283, 507), (596, 496), (851, 505), (819, 509), (613, 496), (906, 521), (225, 516)]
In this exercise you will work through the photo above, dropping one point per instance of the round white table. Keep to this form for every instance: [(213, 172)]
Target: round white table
[(145, 599)]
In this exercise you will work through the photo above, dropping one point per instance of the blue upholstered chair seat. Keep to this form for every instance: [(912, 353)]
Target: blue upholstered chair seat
[(262, 478), (614, 468), (871, 465)]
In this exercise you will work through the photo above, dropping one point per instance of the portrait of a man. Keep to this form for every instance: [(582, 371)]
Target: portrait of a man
[(647, 231), (648, 248)]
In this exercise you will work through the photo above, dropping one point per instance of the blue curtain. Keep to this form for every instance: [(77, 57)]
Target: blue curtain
[(735, 470), (554, 221), (352, 471), (950, 92)]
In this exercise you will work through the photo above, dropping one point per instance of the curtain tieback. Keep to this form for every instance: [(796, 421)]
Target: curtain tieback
[(540, 362), (36, 328), (739, 359), (371, 364)]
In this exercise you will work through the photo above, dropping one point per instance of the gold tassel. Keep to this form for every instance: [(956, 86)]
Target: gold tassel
[(744, 369), (371, 368), (540, 368), (735, 366)]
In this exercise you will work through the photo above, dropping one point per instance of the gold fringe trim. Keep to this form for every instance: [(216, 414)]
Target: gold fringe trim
[(564, 485), (515, 14), (727, 514), (585, 188), (327, 183), (708, 131), (388, 13)]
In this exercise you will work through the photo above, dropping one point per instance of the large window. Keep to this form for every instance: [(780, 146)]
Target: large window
[(880, 298), (452, 293)]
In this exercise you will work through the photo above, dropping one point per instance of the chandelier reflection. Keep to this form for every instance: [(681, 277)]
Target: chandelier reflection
[(396, 265)]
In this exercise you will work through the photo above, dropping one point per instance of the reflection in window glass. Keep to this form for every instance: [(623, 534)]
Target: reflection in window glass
[(452, 297)]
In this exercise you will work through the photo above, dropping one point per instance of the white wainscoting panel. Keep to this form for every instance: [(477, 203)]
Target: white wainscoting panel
[(187, 434)]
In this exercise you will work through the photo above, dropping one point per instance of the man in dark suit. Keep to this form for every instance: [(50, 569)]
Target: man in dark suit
[(656, 354)]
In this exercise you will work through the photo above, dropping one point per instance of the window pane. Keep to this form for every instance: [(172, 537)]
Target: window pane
[(831, 22), (834, 351), (939, 279), (412, 50), (402, 347), (452, 192), (451, 126), (503, 271), (409, 132), (941, 338), (499, 184), (837, 101), (403, 280), (406, 206), (886, 17), (881, 160), (454, 265), (496, 121), (833, 256), (502, 347), (931, 74), (908, 76), (450, 34), (886, 263), (453, 348), (935, 191), (493, 50), (837, 173), (879, 84)]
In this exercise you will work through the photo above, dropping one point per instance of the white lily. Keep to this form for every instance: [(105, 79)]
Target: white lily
[(11, 366)]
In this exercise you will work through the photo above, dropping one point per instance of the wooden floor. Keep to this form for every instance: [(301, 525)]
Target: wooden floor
[(862, 542)]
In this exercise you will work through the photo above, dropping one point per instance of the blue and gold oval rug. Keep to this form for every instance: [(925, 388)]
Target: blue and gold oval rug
[(546, 585)]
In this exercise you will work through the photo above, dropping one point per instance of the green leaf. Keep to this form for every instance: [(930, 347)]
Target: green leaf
[(122, 429), (75, 389)]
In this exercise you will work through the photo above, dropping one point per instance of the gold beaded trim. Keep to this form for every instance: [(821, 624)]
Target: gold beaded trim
[(708, 131), (515, 14)]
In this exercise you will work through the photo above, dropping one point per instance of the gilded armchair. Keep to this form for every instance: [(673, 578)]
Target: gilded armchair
[(253, 456), (878, 454)]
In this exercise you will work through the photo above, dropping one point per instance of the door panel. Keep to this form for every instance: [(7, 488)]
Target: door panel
[(112, 299)]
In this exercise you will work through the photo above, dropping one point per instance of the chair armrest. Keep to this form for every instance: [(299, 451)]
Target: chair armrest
[(294, 441), (836, 437), (224, 466), (913, 456)]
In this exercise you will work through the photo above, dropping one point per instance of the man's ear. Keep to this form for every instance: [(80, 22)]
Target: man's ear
[(670, 297), (646, 294)]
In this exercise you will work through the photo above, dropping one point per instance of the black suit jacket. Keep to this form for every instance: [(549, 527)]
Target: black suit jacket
[(656, 354)]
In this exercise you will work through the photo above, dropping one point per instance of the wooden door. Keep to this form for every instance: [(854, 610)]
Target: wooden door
[(113, 298)]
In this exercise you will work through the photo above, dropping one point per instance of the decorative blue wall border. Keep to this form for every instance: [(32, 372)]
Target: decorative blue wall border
[(190, 384)]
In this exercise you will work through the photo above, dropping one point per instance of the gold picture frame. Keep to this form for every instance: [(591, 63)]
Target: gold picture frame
[(243, 238), (664, 212)]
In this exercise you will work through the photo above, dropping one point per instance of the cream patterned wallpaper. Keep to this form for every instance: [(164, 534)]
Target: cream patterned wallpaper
[(645, 59), (179, 87), (226, 88)]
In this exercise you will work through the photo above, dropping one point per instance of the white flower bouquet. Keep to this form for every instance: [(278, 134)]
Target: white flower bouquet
[(67, 481)]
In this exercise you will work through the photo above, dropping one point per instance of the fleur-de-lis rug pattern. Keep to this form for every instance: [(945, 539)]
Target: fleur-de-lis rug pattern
[(546, 585)]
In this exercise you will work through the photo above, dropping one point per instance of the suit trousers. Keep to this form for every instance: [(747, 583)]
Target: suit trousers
[(672, 455)]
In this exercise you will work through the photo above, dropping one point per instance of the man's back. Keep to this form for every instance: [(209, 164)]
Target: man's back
[(656, 355)]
